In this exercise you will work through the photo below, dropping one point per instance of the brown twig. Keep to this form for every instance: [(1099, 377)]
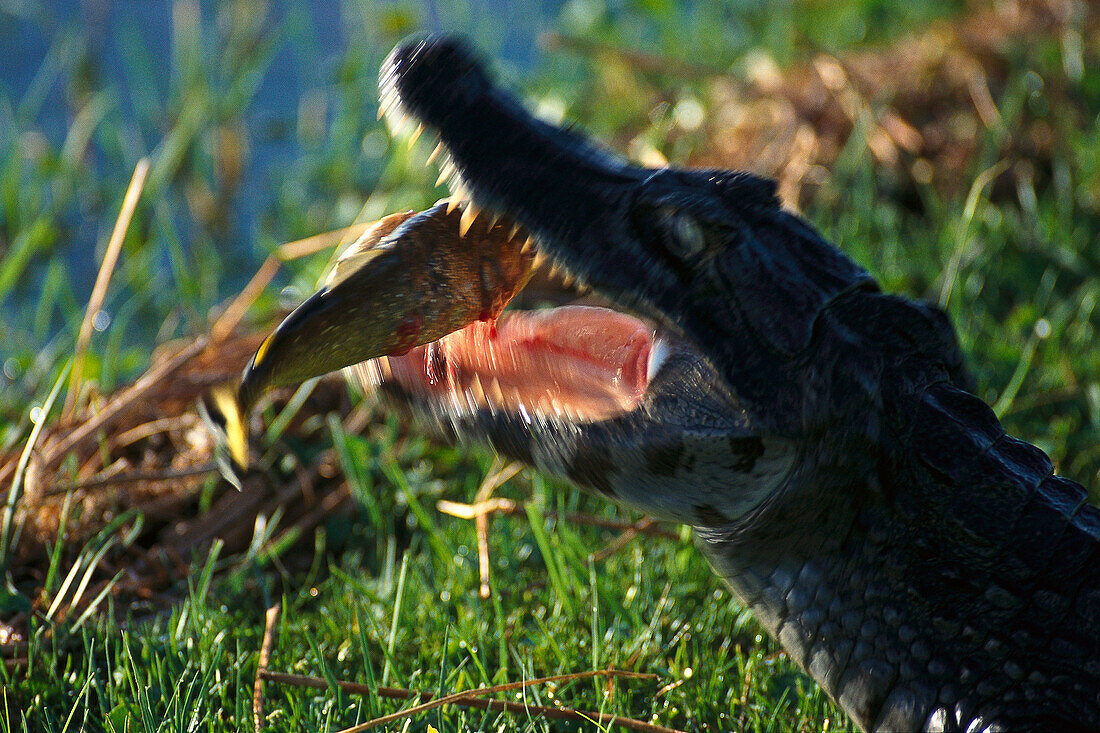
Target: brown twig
[(100, 481), (99, 290), (128, 396), (270, 618), (468, 699), (456, 698), (621, 541), (355, 688), (324, 240), (147, 430), (235, 311), (668, 688)]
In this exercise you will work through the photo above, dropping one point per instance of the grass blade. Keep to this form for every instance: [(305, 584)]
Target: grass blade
[(15, 491)]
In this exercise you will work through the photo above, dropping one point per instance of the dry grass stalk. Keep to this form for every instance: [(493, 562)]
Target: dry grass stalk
[(116, 479), (123, 400), (99, 290), (234, 312), (231, 318), (471, 699), (512, 508), (497, 476), (616, 545), (270, 618), (562, 713)]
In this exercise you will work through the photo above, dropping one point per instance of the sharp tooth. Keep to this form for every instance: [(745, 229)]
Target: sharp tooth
[(471, 401), (436, 153), (397, 122), (554, 269), (477, 390), (386, 103), (566, 279), (540, 258), (494, 394), (444, 176), (458, 191), (416, 135), (515, 230), (452, 203), (382, 369), (469, 214), (494, 217)]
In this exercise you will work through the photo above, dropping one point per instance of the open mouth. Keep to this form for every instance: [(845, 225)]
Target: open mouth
[(576, 361), (566, 358)]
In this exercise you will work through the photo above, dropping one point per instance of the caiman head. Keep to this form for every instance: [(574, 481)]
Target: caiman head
[(715, 376), (729, 286)]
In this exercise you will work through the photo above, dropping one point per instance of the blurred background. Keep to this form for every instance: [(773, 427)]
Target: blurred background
[(952, 148), (259, 121)]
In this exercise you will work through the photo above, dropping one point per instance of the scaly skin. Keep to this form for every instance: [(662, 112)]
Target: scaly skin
[(927, 570)]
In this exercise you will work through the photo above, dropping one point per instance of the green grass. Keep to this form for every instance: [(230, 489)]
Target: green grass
[(197, 662), (1015, 265)]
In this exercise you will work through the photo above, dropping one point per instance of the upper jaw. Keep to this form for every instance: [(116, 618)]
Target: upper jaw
[(570, 194)]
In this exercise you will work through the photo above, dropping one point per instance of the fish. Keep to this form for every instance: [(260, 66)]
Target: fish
[(411, 279)]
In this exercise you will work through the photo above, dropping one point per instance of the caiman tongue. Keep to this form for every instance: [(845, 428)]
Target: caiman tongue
[(579, 362)]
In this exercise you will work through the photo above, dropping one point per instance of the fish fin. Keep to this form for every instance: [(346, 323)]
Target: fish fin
[(236, 429)]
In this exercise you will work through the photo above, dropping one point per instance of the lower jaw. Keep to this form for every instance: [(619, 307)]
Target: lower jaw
[(581, 363)]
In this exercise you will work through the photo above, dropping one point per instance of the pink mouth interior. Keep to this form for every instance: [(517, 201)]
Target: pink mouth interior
[(580, 362)]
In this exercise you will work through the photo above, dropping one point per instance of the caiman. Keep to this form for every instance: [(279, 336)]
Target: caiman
[(928, 570)]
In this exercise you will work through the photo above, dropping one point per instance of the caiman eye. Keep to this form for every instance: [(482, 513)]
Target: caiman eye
[(671, 234), (686, 238)]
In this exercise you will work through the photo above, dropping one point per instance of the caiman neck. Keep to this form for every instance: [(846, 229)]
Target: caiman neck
[(918, 568)]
